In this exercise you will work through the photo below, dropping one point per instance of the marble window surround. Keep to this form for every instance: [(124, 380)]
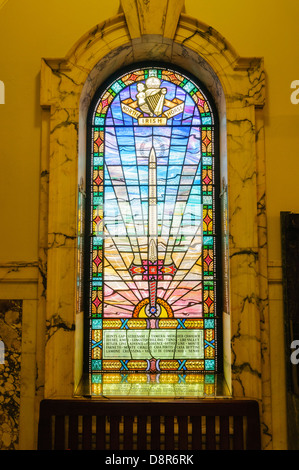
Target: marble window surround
[(237, 85)]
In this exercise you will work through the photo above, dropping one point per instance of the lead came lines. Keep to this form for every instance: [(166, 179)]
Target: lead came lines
[(137, 218)]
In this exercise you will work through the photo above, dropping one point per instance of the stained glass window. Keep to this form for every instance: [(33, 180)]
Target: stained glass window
[(152, 226)]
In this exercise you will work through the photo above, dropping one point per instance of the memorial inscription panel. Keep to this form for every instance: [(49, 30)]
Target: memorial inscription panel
[(156, 344)]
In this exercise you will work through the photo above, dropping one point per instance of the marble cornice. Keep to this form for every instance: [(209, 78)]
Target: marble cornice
[(19, 272), (245, 63), (242, 79), (58, 64), (19, 280)]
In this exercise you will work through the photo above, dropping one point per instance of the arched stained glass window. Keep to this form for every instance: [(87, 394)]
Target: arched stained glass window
[(152, 277)]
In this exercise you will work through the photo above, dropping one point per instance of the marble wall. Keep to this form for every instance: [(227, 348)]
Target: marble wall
[(10, 373)]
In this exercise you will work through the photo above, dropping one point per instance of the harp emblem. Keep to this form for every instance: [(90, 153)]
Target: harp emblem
[(151, 106), (151, 97)]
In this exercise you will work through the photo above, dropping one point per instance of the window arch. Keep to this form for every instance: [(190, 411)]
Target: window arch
[(153, 261)]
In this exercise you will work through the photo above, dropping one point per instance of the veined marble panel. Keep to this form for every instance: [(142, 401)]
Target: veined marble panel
[(11, 337)]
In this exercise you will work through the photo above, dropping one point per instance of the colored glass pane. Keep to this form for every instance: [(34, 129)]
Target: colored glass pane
[(152, 220)]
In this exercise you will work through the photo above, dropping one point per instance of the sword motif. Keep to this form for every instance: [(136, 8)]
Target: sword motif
[(152, 269)]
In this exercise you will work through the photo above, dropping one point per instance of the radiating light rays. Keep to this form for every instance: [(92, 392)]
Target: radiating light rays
[(188, 279), (179, 212)]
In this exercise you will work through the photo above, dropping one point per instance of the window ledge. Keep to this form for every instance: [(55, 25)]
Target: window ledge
[(153, 386)]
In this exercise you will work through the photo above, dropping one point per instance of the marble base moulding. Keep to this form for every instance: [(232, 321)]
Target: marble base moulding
[(237, 85)]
